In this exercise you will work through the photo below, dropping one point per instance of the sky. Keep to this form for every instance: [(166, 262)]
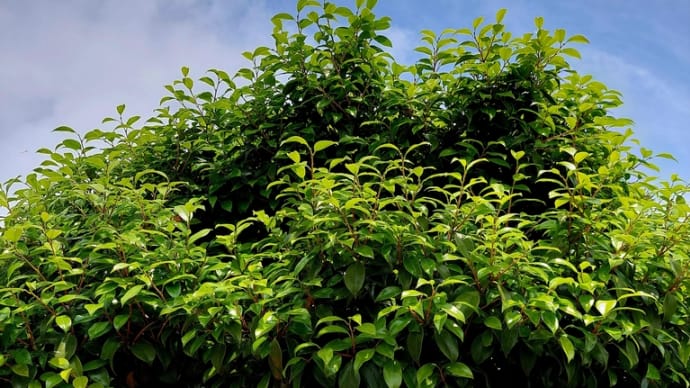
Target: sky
[(72, 62)]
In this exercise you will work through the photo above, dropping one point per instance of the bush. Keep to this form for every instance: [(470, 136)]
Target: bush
[(331, 217)]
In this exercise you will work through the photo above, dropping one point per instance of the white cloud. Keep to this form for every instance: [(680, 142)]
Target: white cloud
[(661, 110), (71, 62)]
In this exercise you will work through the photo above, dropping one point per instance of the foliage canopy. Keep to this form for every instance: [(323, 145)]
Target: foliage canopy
[(329, 216)]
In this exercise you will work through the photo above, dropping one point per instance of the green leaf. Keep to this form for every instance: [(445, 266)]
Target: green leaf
[(512, 318), (131, 293), (325, 354), (362, 357), (367, 328), (567, 347), (109, 349), (354, 277), (218, 356), (20, 370), (493, 323), (388, 293), (365, 251), (349, 377), (392, 374), (51, 379), (72, 144), (59, 362), (64, 322), (414, 342), (199, 235), (144, 351), (670, 306), (120, 320), (68, 346), (652, 372), (383, 40), (98, 329), (550, 320), (65, 129), (458, 369), (424, 373), (188, 82), (448, 344)]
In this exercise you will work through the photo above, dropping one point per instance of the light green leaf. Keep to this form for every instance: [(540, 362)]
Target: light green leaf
[(517, 155), (578, 39), (72, 144), (294, 156), (59, 362), (64, 322), (323, 144), (539, 22), (80, 382), (131, 293), (604, 306), (477, 22), (500, 14), (295, 139)]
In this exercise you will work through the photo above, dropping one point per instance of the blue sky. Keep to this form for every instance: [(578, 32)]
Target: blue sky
[(71, 62)]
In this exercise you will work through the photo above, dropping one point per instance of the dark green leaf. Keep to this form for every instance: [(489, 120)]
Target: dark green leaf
[(448, 344), (144, 351), (354, 277), (392, 373)]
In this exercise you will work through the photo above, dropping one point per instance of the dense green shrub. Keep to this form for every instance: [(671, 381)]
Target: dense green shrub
[(331, 217)]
